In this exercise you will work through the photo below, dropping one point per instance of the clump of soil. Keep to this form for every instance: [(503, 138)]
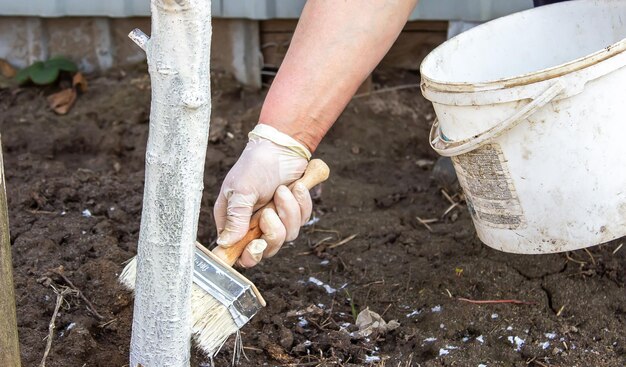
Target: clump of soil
[(75, 187)]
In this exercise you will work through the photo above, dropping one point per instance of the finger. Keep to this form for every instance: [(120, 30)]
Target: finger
[(219, 213), (274, 232), (303, 197), (235, 217), (289, 212), (253, 253)]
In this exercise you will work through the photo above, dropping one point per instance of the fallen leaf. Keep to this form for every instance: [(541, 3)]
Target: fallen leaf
[(278, 353), (79, 82), (6, 69), (371, 323), (312, 309), (62, 101)]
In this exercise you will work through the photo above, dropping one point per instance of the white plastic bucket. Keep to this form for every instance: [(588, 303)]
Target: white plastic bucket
[(532, 109)]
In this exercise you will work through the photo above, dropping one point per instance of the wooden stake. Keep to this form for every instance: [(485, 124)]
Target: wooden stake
[(9, 342), (178, 53)]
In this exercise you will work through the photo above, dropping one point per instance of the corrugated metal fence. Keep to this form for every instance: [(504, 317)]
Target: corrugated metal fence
[(469, 10), (93, 33)]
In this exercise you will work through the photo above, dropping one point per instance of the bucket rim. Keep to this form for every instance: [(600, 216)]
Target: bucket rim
[(523, 79)]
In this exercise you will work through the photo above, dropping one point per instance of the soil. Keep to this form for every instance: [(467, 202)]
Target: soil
[(75, 187)]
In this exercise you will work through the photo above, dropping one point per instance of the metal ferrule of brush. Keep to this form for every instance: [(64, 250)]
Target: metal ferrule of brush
[(234, 292)]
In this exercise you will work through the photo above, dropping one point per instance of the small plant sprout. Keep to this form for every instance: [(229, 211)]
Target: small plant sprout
[(45, 72)]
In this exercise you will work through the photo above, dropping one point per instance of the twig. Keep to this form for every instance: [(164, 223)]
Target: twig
[(534, 360), (425, 223), (318, 243), (33, 211), (560, 311), (386, 309), (618, 248), (342, 242), (496, 301), (304, 364), (593, 261), (385, 90), (447, 196), (450, 208), (574, 260), (90, 306), (57, 306), (315, 246), (382, 281), (103, 325), (325, 231)]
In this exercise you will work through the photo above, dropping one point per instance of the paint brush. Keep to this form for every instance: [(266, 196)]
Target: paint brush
[(222, 300)]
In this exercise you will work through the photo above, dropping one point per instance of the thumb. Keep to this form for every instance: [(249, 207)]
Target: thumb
[(232, 216)]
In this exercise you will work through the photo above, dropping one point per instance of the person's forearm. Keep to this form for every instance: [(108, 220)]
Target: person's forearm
[(336, 45)]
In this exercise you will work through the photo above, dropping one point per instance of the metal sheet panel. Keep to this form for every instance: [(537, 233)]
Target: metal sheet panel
[(469, 10)]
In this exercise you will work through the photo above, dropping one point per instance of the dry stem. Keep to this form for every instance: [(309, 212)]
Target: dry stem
[(60, 296), (90, 305), (496, 301)]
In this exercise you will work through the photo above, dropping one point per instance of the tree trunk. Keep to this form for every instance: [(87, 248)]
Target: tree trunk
[(9, 343), (178, 56)]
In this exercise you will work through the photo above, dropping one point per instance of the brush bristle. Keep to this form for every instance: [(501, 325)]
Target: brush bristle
[(129, 274), (212, 323)]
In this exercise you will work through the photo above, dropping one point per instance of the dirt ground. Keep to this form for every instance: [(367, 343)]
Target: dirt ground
[(75, 187)]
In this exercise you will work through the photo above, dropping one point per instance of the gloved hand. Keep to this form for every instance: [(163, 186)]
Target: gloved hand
[(271, 161)]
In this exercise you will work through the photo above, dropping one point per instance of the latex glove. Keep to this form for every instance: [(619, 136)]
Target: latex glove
[(271, 161)]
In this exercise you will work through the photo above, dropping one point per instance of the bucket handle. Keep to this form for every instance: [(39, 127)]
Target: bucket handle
[(449, 148)]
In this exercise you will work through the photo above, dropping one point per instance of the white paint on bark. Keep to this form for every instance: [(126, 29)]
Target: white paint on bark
[(178, 56)]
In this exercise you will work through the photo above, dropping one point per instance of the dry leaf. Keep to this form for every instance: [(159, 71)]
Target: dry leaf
[(370, 322), (278, 353), (6, 69), (62, 101), (79, 82), (312, 309)]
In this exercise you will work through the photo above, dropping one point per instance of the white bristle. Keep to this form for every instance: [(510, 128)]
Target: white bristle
[(212, 324)]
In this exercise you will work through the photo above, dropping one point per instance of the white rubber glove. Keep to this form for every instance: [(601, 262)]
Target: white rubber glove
[(271, 161)]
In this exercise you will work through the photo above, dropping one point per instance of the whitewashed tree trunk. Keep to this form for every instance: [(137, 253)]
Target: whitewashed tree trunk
[(178, 58)]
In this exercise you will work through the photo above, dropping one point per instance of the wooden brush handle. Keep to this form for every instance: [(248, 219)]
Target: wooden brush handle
[(316, 172)]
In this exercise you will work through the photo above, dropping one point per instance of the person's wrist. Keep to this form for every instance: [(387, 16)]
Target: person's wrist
[(267, 132), (306, 134)]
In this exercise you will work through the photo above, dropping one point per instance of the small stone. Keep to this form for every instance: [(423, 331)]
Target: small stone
[(286, 338), (454, 216), (425, 163), (277, 320), (117, 214)]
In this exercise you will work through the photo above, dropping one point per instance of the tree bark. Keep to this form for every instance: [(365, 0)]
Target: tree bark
[(9, 342), (178, 56)]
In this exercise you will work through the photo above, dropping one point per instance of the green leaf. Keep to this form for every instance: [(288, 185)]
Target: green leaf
[(46, 72), (22, 76), (61, 63), (44, 75)]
